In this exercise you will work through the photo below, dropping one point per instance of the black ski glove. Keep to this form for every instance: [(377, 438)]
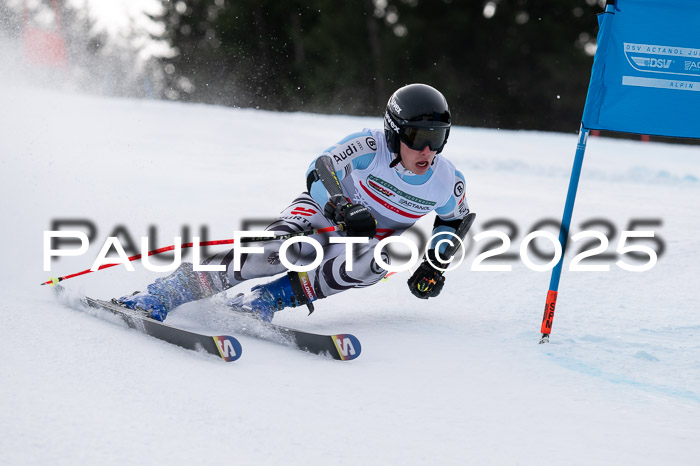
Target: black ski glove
[(358, 220), (427, 282)]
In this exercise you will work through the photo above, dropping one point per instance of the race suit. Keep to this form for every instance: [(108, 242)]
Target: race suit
[(396, 197)]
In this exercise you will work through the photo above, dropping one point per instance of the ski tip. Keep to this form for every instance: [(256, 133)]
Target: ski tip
[(348, 346), (229, 348), (544, 338)]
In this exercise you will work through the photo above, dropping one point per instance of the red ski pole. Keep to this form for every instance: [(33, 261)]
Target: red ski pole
[(340, 227)]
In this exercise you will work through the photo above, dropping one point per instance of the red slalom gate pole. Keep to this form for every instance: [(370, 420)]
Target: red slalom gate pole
[(340, 227)]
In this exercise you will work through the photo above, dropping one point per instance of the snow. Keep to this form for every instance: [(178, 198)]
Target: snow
[(455, 380)]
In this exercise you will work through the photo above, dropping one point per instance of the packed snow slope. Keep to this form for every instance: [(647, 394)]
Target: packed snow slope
[(459, 379)]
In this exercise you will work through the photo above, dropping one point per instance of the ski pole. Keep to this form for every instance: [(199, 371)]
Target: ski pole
[(326, 173), (340, 227)]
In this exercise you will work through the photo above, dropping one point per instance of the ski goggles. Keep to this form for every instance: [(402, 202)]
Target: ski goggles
[(417, 137)]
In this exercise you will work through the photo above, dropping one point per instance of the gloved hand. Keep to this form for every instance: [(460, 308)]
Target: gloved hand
[(427, 282), (358, 220)]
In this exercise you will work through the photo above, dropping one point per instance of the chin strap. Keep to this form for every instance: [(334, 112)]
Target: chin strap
[(397, 159)]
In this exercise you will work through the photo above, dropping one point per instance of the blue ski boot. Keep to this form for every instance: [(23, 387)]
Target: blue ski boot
[(182, 286), (291, 290)]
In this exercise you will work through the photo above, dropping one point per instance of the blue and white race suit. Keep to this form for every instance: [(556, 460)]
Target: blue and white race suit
[(396, 197)]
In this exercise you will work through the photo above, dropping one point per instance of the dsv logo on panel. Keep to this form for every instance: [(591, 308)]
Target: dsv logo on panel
[(653, 62)]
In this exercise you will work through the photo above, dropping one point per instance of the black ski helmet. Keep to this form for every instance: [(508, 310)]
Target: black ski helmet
[(418, 115)]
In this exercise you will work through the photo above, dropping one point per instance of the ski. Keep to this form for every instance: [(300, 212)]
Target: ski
[(342, 346), (226, 347)]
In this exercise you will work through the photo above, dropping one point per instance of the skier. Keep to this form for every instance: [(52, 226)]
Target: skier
[(390, 178)]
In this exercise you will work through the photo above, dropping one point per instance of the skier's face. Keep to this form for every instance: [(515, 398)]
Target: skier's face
[(418, 161)]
